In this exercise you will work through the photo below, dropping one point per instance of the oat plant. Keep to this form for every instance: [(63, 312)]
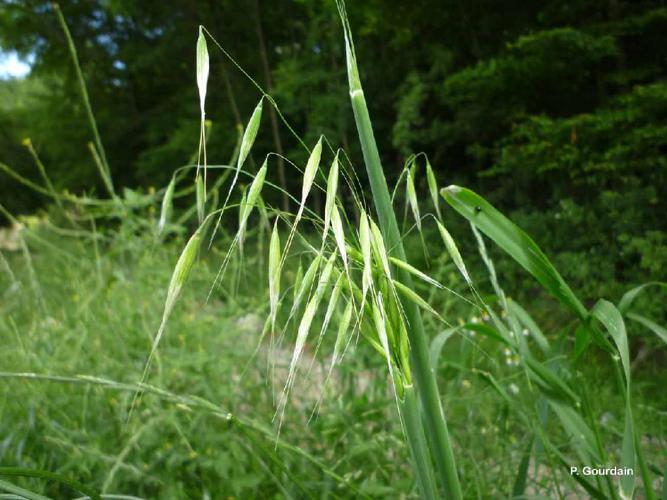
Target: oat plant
[(358, 275), (354, 284), (357, 279)]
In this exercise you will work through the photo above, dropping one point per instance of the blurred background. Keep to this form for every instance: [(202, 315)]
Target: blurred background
[(556, 111)]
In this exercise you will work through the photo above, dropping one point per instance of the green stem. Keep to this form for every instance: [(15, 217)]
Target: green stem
[(419, 354), (86, 100), (22, 493), (592, 422), (50, 476), (426, 384), (414, 434), (646, 476)]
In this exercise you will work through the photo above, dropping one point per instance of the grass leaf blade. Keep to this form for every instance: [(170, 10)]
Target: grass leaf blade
[(514, 241)]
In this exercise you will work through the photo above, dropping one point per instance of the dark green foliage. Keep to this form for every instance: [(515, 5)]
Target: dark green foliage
[(553, 71), (554, 110), (593, 181)]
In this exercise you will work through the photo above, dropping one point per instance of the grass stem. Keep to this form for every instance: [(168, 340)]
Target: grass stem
[(86, 99), (419, 353), (414, 432)]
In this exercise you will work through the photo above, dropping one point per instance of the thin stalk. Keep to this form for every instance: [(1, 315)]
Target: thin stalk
[(185, 401), (106, 178), (646, 476), (426, 383), (588, 412), (414, 433), (22, 493), (84, 93), (42, 170), (282, 178), (639, 453)]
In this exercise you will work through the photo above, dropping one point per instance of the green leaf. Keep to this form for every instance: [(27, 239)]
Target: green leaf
[(438, 343), (629, 297), (51, 476), (651, 325), (20, 492), (419, 450), (519, 488), (487, 331), (579, 432), (590, 489), (514, 241), (582, 339), (628, 454), (528, 322), (490, 379), (607, 313), (551, 383)]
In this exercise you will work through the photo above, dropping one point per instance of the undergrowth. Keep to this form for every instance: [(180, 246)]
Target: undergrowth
[(302, 353)]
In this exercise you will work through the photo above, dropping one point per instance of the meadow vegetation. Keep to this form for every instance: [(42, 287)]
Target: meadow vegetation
[(227, 335)]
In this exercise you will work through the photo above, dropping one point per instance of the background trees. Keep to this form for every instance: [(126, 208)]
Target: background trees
[(555, 110)]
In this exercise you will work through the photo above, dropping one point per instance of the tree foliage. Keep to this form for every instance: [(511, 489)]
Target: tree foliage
[(555, 108)]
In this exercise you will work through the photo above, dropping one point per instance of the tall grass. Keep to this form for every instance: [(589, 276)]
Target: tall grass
[(354, 283), (425, 381), (386, 308)]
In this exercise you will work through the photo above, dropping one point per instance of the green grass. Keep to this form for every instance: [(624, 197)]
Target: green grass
[(101, 324), (99, 318), (144, 356)]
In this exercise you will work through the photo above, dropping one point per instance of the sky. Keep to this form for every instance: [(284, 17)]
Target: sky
[(11, 66)]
